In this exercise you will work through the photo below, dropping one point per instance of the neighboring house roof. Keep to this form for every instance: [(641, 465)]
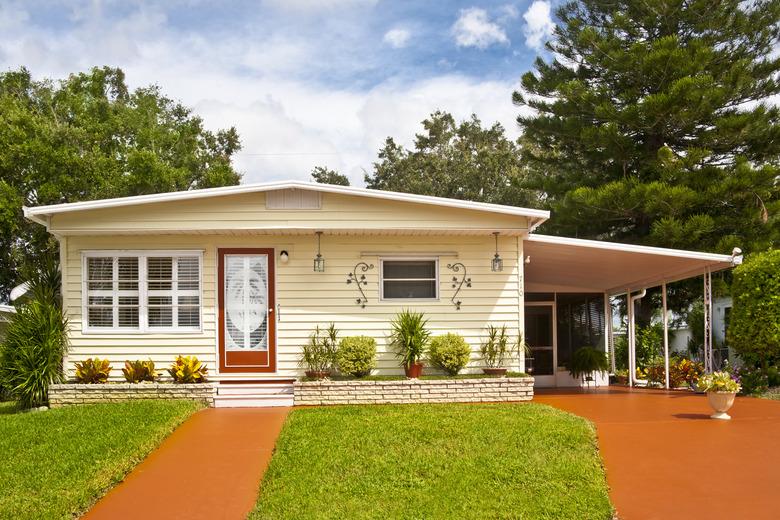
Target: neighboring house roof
[(39, 214), (19, 291), (6, 311)]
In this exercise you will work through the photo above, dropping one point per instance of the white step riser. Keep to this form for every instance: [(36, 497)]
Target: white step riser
[(259, 390), (251, 402)]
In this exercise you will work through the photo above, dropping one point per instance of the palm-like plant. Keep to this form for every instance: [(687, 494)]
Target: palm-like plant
[(499, 347), (409, 337), (36, 340)]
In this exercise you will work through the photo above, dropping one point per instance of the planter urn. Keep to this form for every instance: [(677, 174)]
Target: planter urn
[(721, 402), (495, 371), (414, 370)]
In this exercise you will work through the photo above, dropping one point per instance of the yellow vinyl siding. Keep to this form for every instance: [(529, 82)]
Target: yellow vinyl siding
[(307, 299), (248, 212)]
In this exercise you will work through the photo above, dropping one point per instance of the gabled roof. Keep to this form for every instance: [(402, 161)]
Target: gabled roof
[(40, 214)]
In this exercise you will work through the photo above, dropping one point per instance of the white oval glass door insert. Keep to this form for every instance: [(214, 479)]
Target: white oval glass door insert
[(246, 302)]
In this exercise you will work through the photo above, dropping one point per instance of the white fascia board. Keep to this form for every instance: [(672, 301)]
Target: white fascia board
[(629, 248), (38, 211)]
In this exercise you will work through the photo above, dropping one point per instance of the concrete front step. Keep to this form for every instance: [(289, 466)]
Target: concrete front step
[(253, 395)]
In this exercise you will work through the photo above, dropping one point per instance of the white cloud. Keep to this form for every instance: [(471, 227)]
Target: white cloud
[(397, 37), (288, 123), (539, 25), (475, 29), (317, 5)]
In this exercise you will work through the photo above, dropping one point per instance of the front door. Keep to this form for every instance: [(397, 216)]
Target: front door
[(247, 326), (540, 337)]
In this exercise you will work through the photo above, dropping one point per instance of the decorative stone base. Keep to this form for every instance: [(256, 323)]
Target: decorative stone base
[(69, 393), (502, 389)]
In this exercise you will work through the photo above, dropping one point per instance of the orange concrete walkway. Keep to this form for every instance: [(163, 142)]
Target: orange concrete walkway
[(666, 459), (209, 468)]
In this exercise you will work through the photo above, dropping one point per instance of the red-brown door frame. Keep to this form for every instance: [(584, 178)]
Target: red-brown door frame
[(246, 359)]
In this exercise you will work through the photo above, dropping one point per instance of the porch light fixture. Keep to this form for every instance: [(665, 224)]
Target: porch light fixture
[(284, 257), (497, 264), (319, 262)]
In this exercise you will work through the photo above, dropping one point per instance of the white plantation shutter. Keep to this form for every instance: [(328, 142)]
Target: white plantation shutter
[(143, 291)]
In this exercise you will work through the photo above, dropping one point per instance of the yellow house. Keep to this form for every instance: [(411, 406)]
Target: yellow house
[(240, 276)]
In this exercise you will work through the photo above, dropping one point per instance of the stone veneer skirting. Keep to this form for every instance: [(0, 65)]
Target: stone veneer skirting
[(70, 393), (327, 392)]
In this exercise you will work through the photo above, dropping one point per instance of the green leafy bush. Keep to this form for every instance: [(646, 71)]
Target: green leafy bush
[(649, 341), (137, 371), (188, 369), (36, 340), (449, 352), (93, 371), (587, 360), (409, 336), (754, 327), (356, 355), (319, 352)]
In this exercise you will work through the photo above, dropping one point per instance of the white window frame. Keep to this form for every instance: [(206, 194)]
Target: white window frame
[(434, 259), (143, 292)]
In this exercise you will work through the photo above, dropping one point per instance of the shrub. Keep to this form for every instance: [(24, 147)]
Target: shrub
[(754, 327), (188, 369), (684, 372), (36, 340), (586, 361), (498, 347), (93, 371), (449, 352), (648, 344), (757, 380), (409, 337), (356, 355), (319, 353), (137, 371)]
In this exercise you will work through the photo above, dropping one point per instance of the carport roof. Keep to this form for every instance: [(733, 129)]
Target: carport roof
[(571, 264)]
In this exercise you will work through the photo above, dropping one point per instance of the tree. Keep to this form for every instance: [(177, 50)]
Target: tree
[(457, 160), (651, 123), (90, 137), (325, 175)]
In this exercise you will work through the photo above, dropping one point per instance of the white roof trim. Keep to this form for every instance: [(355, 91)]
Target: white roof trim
[(39, 213), (630, 248), (8, 309)]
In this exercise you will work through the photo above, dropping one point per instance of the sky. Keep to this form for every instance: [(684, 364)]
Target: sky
[(305, 82)]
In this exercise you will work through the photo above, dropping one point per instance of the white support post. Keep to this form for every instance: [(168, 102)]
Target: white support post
[(609, 341), (631, 338), (708, 361), (666, 336)]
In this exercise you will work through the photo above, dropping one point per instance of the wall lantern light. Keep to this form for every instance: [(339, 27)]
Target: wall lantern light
[(497, 264), (319, 262), (284, 257)]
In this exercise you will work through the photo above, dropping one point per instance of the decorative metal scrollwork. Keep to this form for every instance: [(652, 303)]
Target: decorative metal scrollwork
[(458, 281), (360, 281)]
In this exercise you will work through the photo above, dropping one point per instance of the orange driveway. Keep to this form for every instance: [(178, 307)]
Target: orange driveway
[(666, 459), (209, 468)]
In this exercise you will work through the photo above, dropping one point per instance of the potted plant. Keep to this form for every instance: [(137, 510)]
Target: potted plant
[(721, 389), (497, 349), (409, 338), (586, 362), (319, 354)]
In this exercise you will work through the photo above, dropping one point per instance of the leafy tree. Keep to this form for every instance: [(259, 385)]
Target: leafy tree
[(325, 175), (651, 123), (89, 137), (457, 160)]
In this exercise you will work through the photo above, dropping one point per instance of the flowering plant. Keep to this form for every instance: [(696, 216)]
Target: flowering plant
[(718, 382)]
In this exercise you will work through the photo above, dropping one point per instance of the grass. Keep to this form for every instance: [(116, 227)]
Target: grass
[(524, 461), (773, 393), (57, 463)]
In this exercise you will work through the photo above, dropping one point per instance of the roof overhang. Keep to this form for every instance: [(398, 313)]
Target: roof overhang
[(42, 214), (571, 264)]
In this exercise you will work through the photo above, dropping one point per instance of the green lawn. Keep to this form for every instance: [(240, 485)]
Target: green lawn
[(772, 393), (56, 463), (524, 461)]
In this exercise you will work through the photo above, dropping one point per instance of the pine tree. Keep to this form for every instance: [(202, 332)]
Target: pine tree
[(653, 125)]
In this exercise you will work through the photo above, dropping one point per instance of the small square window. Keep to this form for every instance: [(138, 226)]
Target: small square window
[(410, 280)]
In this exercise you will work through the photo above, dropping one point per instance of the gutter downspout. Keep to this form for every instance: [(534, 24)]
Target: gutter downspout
[(632, 335)]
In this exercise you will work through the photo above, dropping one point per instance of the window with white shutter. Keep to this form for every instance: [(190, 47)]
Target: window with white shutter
[(142, 291)]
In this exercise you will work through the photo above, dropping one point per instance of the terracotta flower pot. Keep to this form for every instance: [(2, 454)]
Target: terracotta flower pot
[(414, 370), (495, 371), (721, 402), (317, 374)]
